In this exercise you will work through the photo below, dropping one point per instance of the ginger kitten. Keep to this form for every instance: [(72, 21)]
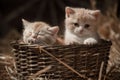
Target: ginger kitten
[(80, 26), (110, 30), (39, 33)]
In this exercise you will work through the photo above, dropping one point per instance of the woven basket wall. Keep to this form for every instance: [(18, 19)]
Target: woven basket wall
[(84, 60)]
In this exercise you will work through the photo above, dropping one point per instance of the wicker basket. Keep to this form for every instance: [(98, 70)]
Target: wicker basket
[(68, 62)]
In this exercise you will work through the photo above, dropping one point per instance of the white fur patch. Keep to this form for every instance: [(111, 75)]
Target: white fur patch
[(71, 38)]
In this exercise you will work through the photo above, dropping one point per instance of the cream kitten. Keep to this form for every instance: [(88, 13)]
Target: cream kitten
[(80, 26), (39, 33)]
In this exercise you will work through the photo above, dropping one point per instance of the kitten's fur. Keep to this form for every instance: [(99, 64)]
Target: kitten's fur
[(80, 26), (110, 30), (39, 33)]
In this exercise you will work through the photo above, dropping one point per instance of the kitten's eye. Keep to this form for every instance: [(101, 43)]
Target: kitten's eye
[(76, 24), (87, 25)]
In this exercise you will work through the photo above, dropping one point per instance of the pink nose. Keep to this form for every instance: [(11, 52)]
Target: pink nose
[(81, 30)]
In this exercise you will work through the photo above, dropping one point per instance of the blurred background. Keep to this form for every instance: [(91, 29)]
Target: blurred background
[(50, 11)]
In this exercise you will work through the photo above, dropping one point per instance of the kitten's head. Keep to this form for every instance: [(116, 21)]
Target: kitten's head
[(39, 33), (81, 21), (110, 30)]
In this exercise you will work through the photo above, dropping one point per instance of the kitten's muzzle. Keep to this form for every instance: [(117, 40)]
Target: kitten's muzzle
[(81, 31)]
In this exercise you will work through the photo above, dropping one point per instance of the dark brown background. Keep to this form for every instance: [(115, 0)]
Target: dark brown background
[(50, 11)]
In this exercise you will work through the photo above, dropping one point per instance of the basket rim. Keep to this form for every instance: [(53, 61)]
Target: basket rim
[(16, 42)]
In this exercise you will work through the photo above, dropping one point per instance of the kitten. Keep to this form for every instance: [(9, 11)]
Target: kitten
[(80, 25), (39, 33)]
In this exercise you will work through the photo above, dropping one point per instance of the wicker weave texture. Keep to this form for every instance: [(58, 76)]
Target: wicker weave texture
[(86, 60)]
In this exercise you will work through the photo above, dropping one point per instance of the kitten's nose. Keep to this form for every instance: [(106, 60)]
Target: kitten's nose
[(81, 30)]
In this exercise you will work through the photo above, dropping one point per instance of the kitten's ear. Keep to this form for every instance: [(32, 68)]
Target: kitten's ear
[(69, 11), (25, 22), (54, 29), (96, 13)]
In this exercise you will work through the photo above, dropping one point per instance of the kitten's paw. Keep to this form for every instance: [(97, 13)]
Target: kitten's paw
[(90, 41)]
